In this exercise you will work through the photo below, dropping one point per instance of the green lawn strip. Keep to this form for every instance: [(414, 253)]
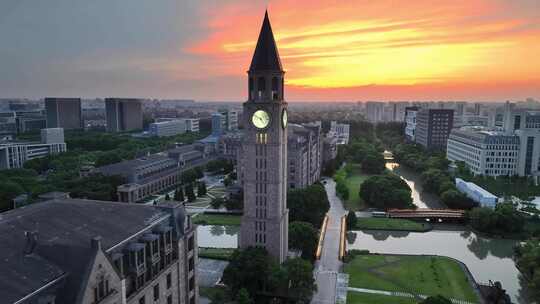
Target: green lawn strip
[(353, 182), (421, 274), (392, 224), (212, 292), (217, 219), (367, 298), (216, 253)]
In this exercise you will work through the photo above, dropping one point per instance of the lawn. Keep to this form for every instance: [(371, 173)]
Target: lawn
[(366, 298), (216, 253), (391, 224), (414, 274), (353, 181), (217, 219)]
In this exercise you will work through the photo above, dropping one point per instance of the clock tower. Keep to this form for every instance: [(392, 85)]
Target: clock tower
[(266, 217)]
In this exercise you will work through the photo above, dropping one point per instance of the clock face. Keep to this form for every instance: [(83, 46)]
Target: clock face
[(284, 118), (260, 119)]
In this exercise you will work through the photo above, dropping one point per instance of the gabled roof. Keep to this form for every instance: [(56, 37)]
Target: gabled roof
[(266, 56)]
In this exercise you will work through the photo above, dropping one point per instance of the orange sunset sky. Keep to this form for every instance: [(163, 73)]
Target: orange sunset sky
[(331, 50)]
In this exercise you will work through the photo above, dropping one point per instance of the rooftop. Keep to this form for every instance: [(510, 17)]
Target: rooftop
[(266, 56)]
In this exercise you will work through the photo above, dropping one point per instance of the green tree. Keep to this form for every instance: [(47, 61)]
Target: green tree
[(167, 197), (248, 268), (243, 297), (8, 191), (436, 300), (528, 262), (308, 205), (201, 189), (373, 163), (217, 202), (386, 191), (300, 279), (190, 193), (304, 237), (454, 199), (351, 220), (234, 204)]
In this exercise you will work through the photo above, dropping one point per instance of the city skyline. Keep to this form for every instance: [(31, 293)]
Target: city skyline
[(452, 50)]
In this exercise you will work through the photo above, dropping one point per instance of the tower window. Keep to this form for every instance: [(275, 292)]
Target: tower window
[(275, 94)]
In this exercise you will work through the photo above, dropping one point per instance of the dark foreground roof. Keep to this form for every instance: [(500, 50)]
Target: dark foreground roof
[(266, 56), (64, 229)]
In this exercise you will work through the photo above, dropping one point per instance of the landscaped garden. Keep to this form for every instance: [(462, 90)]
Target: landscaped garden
[(392, 224), (422, 275)]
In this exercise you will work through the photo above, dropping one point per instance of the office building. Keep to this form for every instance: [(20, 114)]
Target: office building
[(374, 111), (167, 128), (64, 113), (123, 114), (410, 122), (192, 124), (485, 152), (52, 136), (340, 131), (265, 219), (330, 149), (218, 125), (304, 149), (433, 127), (67, 251), (229, 119), (15, 154)]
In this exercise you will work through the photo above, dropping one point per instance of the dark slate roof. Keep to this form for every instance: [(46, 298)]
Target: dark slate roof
[(266, 56), (64, 229)]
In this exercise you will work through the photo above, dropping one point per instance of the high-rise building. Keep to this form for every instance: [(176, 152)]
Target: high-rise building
[(265, 218), (433, 127), (410, 122), (123, 114), (218, 125), (374, 111), (304, 149), (82, 251), (340, 131), (64, 113), (229, 119)]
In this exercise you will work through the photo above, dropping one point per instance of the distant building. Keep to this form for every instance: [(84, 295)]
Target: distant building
[(192, 124), (64, 113), (339, 131), (123, 114), (167, 128), (410, 122), (52, 136), (67, 251), (15, 154), (218, 126), (476, 193), (330, 149), (433, 127), (374, 111), (145, 176), (229, 119)]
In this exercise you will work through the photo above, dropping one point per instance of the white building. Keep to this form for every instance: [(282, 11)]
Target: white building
[(192, 124), (167, 128), (476, 193), (229, 119), (485, 152), (374, 111), (14, 155), (339, 131), (410, 122)]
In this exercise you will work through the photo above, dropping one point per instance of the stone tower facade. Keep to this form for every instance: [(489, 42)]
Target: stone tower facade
[(265, 219)]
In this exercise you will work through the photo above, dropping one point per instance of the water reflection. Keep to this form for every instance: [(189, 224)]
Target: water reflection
[(487, 259), (420, 198), (218, 236)]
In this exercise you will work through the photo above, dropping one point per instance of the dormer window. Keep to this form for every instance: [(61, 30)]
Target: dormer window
[(101, 290)]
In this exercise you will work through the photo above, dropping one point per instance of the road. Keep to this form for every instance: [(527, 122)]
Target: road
[(327, 268)]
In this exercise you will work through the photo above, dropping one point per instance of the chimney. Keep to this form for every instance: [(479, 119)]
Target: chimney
[(96, 243)]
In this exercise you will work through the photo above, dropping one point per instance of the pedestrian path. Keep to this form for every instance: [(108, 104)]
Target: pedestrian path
[(401, 294)]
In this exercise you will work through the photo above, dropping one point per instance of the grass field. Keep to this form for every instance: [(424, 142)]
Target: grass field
[(353, 182), (414, 274), (217, 219), (366, 298), (216, 253), (391, 224)]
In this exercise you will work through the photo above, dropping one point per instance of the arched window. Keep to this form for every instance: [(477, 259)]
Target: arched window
[(275, 93), (250, 87), (261, 85), (282, 88)]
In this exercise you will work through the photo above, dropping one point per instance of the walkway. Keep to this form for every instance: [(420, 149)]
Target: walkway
[(401, 294), (327, 268)]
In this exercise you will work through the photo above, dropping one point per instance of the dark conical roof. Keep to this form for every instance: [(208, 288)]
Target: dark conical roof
[(266, 56)]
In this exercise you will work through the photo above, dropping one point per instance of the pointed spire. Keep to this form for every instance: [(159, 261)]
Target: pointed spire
[(266, 56)]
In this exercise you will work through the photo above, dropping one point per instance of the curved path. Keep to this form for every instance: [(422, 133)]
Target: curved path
[(327, 268)]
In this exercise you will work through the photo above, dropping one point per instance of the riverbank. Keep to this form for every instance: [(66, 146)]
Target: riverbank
[(418, 275), (390, 224)]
